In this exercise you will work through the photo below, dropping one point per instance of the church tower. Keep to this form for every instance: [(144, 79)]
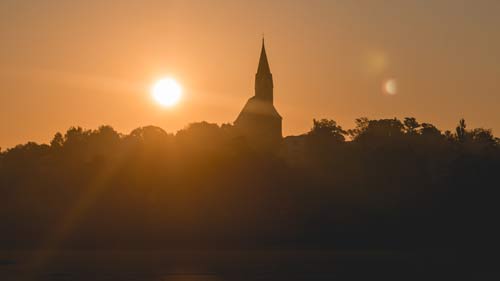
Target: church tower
[(264, 78), (259, 121)]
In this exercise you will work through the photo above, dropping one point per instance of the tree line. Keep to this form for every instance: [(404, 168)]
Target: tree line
[(385, 183)]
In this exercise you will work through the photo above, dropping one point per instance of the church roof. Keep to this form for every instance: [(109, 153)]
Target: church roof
[(257, 107)]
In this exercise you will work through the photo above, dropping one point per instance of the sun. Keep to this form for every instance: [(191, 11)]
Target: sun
[(166, 92)]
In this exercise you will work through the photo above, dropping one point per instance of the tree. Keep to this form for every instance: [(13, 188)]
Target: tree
[(149, 134), (410, 125), (482, 136), (380, 129), (76, 136), (200, 130), (328, 129), (57, 141), (461, 132), (429, 130), (106, 132), (361, 125)]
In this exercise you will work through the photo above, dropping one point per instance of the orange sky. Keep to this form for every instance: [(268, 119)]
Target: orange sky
[(88, 63)]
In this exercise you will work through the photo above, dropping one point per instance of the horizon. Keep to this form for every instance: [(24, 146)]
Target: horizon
[(174, 133)]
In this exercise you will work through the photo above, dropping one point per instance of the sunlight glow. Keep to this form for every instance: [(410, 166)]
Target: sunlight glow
[(167, 92)]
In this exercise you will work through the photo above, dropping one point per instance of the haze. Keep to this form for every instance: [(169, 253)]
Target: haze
[(88, 63)]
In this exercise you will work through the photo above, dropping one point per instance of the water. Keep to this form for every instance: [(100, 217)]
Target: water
[(240, 266)]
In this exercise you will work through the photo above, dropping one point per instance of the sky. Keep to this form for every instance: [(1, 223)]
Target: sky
[(93, 62)]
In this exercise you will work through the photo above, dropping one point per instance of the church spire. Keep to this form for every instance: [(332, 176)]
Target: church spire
[(263, 63), (264, 78)]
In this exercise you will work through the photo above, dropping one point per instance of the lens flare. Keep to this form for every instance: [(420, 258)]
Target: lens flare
[(390, 87)]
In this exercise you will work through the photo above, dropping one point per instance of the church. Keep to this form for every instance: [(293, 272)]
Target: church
[(259, 121)]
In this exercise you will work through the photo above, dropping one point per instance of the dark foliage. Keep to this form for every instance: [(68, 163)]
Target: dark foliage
[(394, 184)]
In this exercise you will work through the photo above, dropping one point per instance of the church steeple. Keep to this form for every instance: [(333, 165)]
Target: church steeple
[(259, 121), (263, 63), (264, 78)]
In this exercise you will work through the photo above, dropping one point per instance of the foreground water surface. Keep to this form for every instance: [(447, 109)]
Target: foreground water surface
[(244, 265)]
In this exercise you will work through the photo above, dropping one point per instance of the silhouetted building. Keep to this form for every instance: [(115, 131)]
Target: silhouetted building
[(259, 121)]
